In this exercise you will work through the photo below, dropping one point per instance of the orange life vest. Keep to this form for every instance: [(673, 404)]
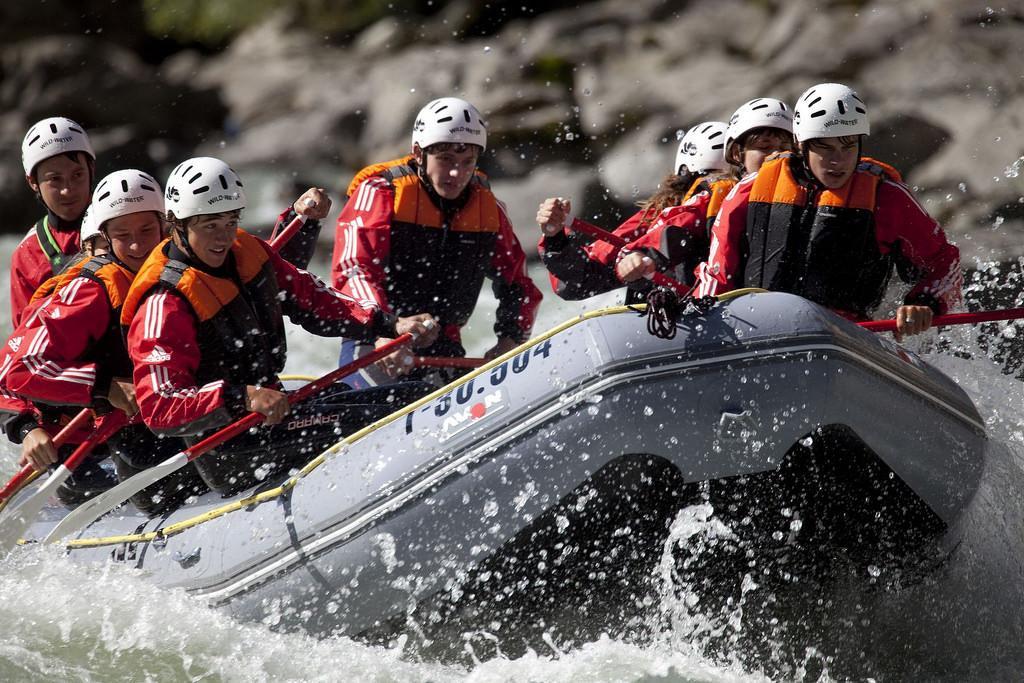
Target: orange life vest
[(440, 251), (816, 242), (239, 320)]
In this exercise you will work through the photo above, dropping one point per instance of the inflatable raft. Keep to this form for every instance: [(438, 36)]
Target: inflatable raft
[(595, 429)]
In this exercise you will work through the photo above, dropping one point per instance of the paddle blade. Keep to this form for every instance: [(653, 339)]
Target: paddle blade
[(78, 422), (20, 518), (91, 510), (16, 482)]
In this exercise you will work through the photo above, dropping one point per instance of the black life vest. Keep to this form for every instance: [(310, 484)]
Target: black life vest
[(815, 242), (240, 327), (438, 258)]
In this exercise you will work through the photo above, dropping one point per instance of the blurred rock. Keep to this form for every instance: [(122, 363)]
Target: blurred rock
[(576, 97), (632, 169), (123, 102), (521, 198)]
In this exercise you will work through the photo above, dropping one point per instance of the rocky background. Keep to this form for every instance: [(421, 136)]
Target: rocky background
[(584, 100)]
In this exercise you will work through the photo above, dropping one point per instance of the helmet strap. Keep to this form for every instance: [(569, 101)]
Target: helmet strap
[(181, 232)]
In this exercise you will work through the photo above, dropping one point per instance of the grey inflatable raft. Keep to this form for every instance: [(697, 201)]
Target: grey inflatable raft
[(409, 508)]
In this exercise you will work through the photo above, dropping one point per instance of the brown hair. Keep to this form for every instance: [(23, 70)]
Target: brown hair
[(671, 192), (186, 223), (76, 156)]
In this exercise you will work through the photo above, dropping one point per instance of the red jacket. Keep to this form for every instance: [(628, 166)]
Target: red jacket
[(580, 266), (30, 267), (65, 359), (676, 237), (395, 251), (17, 413), (165, 344), (901, 227)]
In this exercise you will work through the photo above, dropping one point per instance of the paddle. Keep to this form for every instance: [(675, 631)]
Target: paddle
[(16, 482), (584, 227), (91, 510), (279, 240), (19, 519), (448, 362), (660, 279), (951, 319)]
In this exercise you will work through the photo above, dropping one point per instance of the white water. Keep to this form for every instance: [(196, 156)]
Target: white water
[(63, 621)]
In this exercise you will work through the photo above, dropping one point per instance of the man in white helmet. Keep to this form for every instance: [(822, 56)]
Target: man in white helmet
[(829, 224), (59, 166), (419, 234), (205, 321)]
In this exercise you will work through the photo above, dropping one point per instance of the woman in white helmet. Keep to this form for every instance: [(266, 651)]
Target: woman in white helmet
[(419, 234), (73, 355), (59, 166), (758, 129), (205, 321), (681, 212), (829, 224)]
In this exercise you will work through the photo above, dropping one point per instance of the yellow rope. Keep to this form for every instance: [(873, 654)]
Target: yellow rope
[(271, 494)]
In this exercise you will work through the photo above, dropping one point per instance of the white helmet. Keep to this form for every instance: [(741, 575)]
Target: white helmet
[(51, 137), (90, 228), (703, 148), (764, 112), (829, 110), (449, 119), (125, 192), (203, 185)]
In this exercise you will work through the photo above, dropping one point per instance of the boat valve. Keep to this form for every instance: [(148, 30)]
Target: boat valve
[(736, 426), (187, 560)]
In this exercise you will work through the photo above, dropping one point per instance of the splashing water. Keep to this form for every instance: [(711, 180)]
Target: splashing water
[(66, 621)]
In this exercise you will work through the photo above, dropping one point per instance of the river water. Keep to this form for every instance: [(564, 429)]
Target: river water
[(65, 622)]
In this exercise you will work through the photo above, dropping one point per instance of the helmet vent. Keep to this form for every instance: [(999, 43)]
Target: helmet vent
[(445, 119), (53, 128), (200, 190), (842, 107), (223, 182), (124, 185)]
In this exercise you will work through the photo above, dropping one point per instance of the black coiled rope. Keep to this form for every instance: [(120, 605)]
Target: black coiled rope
[(665, 307)]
